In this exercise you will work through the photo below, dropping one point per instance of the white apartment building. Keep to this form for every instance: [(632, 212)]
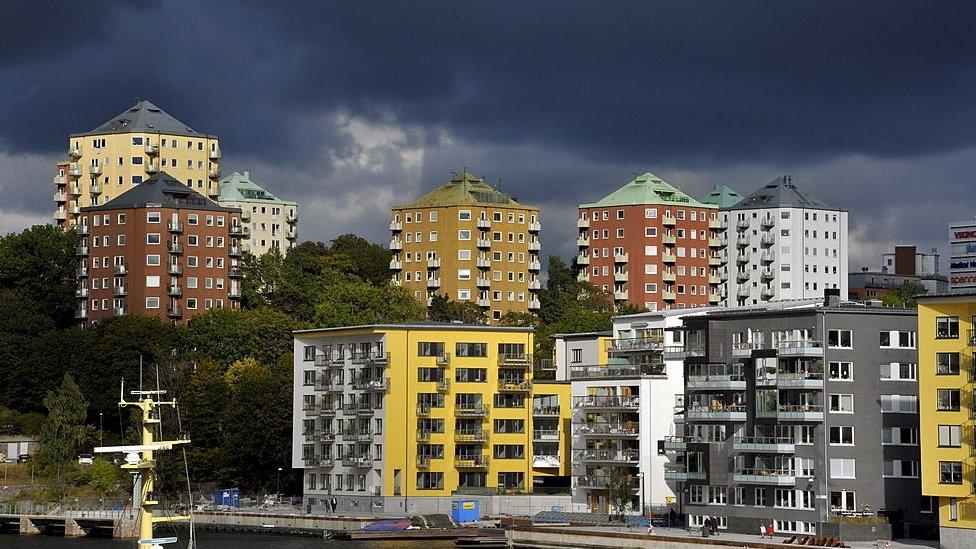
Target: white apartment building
[(786, 244), (273, 221)]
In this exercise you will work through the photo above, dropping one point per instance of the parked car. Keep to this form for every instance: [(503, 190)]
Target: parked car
[(86, 459), (23, 458)]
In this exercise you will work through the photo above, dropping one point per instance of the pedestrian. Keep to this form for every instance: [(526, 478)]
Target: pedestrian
[(672, 518), (762, 530), (650, 525), (706, 527), (714, 526), (769, 530), (334, 504)]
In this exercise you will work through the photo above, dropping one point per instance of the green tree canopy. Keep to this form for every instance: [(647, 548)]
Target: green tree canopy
[(64, 432)]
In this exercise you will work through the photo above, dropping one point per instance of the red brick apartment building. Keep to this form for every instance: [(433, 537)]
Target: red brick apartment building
[(159, 249), (653, 246)]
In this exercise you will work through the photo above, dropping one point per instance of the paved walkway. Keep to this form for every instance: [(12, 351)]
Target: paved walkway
[(728, 536)]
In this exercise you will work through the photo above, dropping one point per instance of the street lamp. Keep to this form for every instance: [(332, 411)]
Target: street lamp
[(100, 441), (278, 487), (640, 478)]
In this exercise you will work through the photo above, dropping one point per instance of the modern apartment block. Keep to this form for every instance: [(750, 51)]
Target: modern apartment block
[(400, 418), (947, 410), (273, 221), (804, 415), (623, 407), (787, 244), (471, 242), (125, 151), (159, 249), (651, 245)]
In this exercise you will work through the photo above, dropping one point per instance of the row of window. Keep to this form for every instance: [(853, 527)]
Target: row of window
[(463, 215), (650, 213), (843, 403), (154, 303), (496, 236), (153, 239), (424, 348), (155, 217), (471, 400), (649, 232)]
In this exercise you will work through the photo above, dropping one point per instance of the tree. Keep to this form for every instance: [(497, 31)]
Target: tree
[(39, 263), (904, 295), (64, 432), (444, 309), (370, 262), (225, 336), (619, 487), (354, 303)]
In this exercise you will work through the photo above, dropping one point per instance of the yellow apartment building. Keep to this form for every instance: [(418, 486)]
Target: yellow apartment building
[(125, 151), (469, 241), (947, 387), (401, 418)]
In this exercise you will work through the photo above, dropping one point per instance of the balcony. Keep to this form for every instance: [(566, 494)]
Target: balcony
[(443, 385), (74, 170), (636, 344), (175, 269), (767, 257), (812, 379), (621, 277), (60, 214), (715, 280), (396, 244), (535, 284), (396, 226), (483, 302), (766, 274), (234, 251), (434, 263), (434, 282), (81, 272), (235, 272), (714, 298), (669, 296), (597, 371), (763, 445), (718, 382), (517, 360), (424, 410), (214, 174), (81, 250), (74, 151), (608, 430), (246, 215), (471, 462), (582, 223), (545, 435), (396, 265), (514, 386), (545, 411), (583, 276), (60, 197), (744, 350), (120, 291), (443, 360), (742, 225), (767, 223), (742, 276), (483, 263), (535, 246), (767, 240), (470, 410), (628, 456), (741, 292), (214, 153), (239, 231), (534, 265), (312, 460), (668, 258), (621, 295), (74, 190), (151, 150), (174, 248), (766, 293), (680, 473), (81, 313), (423, 435), (95, 189), (716, 260), (793, 412), (742, 241), (74, 209), (483, 282), (175, 227), (717, 225), (595, 482), (534, 305), (357, 462), (716, 243), (678, 443), (291, 218), (118, 311), (669, 240), (174, 311), (668, 220), (81, 293), (121, 270), (716, 412), (152, 167), (234, 293), (470, 435), (483, 243), (764, 476), (483, 224), (799, 347), (535, 227), (365, 410), (291, 233), (607, 403), (583, 242)]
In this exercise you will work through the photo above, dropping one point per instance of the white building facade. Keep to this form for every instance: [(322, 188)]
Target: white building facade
[(784, 244), (273, 221)]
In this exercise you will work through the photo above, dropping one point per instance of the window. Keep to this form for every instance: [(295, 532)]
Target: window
[(947, 400), (949, 436), (842, 468), (152, 281), (152, 302), (464, 235), (904, 436), (839, 338), (152, 217), (898, 339), (947, 363), (841, 371), (843, 500), (471, 349), (577, 356), (471, 375), (950, 472), (152, 238), (899, 468), (841, 435), (947, 327), (430, 348), (842, 404), (509, 451), (899, 371), (899, 403), (464, 215), (953, 509), (152, 260)]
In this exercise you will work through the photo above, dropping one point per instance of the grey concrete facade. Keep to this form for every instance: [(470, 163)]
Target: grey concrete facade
[(775, 399)]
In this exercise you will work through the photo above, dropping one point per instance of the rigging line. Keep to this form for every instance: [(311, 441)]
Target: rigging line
[(186, 474)]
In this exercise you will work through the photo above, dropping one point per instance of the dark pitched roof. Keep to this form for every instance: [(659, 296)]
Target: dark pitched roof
[(781, 193), (161, 191), (722, 196), (144, 117)]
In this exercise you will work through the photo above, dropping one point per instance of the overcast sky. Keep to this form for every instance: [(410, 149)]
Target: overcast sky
[(350, 107)]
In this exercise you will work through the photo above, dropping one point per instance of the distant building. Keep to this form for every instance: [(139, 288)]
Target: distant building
[(788, 244), (159, 249), (904, 265), (962, 257), (651, 245), (469, 241), (724, 197), (273, 221), (125, 151)]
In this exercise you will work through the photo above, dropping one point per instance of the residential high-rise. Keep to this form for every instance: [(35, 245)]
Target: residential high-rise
[(651, 245), (802, 414), (398, 418), (947, 408), (723, 197), (273, 221), (471, 242), (159, 249), (125, 151), (787, 244)]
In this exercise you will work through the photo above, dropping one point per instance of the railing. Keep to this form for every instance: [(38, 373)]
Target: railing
[(592, 371), (471, 462), (636, 344), (471, 410), (443, 359), (798, 345), (628, 402), (551, 435), (608, 455), (764, 472), (470, 435), (516, 385), (600, 429), (545, 411), (519, 359), (716, 409)]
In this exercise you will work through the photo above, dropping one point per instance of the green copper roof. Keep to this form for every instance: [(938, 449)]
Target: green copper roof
[(463, 189), (645, 189), (239, 187), (722, 196)]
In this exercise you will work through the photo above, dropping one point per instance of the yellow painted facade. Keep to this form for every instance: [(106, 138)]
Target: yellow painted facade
[(468, 241), (448, 420), (101, 165), (947, 412)]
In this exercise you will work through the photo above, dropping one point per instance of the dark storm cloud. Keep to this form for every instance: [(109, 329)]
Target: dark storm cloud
[(700, 92)]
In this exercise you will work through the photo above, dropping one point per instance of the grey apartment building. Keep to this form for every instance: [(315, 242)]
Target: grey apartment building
[(800, 416)]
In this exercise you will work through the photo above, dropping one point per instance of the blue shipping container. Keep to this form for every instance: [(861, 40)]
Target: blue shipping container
[(466, 510), (230, 497)]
